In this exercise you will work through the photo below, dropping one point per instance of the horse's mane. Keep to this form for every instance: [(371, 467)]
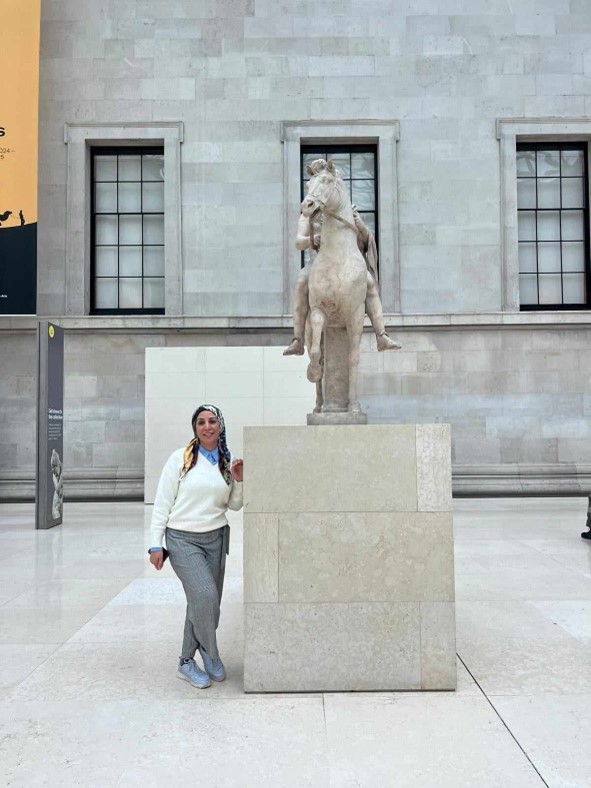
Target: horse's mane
[(323, 165)]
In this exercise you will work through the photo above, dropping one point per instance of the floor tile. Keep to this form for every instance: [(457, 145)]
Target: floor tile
[(466, 684), (573, 617), (68, 744), (572, 553), (41, 625), (105, 672), (501, 620), (554, 732), (521, 584), (69, 593), (528, 666), (156, 590), (17, 661), (519, 518), (11, 589), (268, 741), (57, 566), (492, 555), (497, 550), (118, 671), (139, 624), (425, 740)]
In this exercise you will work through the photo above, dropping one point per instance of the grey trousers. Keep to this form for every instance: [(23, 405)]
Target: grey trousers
[(199, 561)]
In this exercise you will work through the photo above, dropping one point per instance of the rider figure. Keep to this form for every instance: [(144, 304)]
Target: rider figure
[(308, 236)]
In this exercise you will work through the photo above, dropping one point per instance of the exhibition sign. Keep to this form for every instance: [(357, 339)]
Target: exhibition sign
[(49, 487)]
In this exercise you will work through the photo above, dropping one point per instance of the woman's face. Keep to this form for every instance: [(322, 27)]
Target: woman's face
[(207, 430)]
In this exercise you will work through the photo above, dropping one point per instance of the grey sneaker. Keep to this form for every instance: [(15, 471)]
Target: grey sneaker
[(190, 671), (214, 667)]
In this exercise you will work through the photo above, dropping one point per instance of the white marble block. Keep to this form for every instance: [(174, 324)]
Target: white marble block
[(348, 558)]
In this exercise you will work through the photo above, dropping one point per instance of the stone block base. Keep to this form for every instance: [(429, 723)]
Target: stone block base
[(348, 559), (327, 418)]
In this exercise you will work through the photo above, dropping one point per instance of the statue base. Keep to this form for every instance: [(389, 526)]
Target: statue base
[(323, 419), (335, 382), (348, 558)]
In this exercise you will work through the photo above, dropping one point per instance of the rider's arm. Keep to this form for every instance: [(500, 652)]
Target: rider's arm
[(362, 229), (303, 237)]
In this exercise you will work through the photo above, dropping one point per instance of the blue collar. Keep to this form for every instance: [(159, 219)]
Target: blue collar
[(213, 455)]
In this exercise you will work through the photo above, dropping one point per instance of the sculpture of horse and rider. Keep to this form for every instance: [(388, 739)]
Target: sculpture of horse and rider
[(339, 284)]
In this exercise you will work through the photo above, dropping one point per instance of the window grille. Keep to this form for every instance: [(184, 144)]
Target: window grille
[(553, 226), (127, 231)]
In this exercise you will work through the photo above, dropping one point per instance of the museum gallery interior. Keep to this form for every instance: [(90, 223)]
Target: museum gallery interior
[(361, 229)]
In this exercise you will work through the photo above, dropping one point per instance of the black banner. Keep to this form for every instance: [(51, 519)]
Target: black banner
[(50, 426), (18, 270)]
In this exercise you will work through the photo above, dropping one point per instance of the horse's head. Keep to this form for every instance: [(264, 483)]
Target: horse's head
[(323, 188)]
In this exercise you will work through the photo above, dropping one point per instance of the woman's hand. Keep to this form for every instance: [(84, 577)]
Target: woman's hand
[(157, 559), (237, 469)]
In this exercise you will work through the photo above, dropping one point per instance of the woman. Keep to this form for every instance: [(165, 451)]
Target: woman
[(197, 487)]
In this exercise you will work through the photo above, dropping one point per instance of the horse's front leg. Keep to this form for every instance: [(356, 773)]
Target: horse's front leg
[(354, 333), (317, 324), (319, 391)]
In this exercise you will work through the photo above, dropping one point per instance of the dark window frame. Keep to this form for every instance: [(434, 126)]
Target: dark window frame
[(324, 152), (121, 150), (559, 147)]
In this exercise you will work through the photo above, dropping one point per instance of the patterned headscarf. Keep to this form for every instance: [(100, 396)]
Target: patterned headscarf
[(192, 451)]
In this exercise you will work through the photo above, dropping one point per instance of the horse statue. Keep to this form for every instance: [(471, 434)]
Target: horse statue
[(337, 284)]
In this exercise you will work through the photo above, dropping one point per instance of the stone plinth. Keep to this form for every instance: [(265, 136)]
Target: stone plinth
[(333, 418), (335, 382), (348, 558)]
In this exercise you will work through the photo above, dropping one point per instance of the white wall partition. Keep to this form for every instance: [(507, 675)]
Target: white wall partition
[(253, 386)]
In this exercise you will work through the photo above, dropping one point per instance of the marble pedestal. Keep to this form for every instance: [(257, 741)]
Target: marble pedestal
[(348, 558)]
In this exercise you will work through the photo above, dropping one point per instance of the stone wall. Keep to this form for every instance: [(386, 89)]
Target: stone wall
[(104, 409), (103, 413), (18, 417), (512, 395), (518, 401), (517, 398), (233, 70), (104, 395)]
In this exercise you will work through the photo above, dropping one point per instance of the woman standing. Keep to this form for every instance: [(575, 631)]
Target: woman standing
[(197, 486)]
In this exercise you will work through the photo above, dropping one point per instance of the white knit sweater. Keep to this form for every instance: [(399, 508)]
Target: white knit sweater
[(198, 503)]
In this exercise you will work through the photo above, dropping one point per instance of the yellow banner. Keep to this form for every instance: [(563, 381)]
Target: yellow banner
[(19, 101), (20, 22)]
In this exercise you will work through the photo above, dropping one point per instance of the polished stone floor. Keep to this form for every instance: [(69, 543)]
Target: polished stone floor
[(90, 633)]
